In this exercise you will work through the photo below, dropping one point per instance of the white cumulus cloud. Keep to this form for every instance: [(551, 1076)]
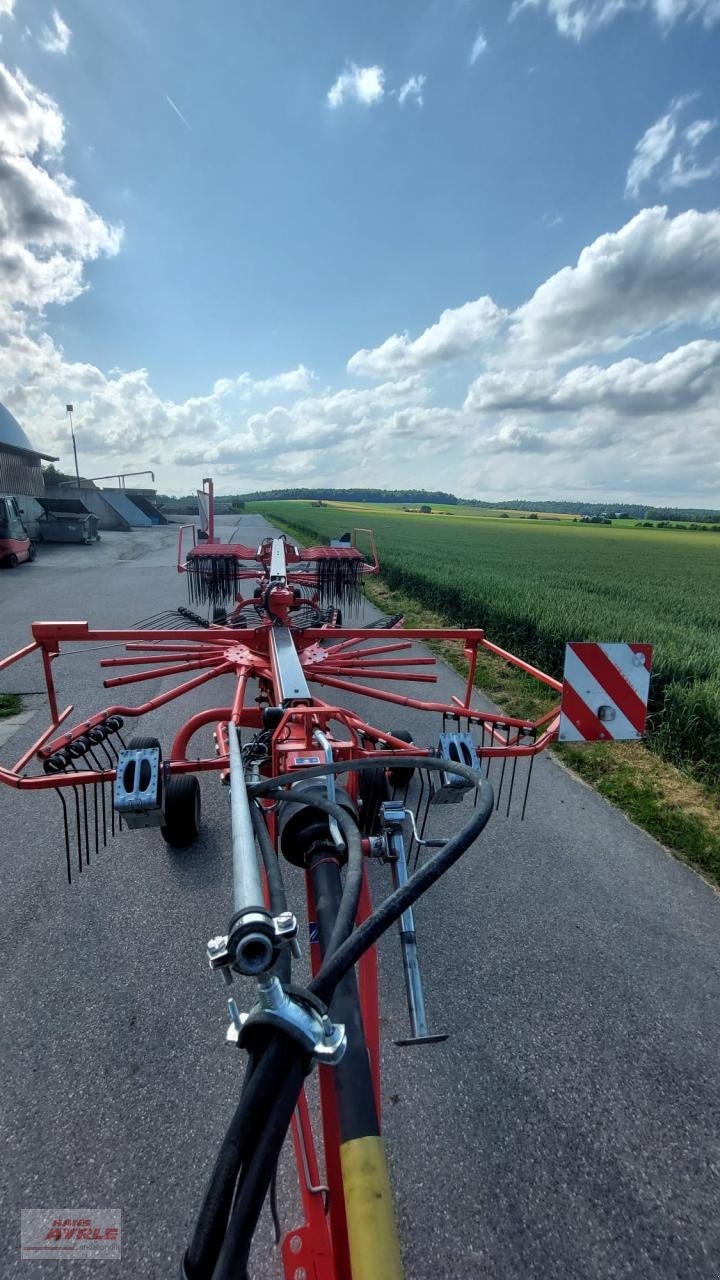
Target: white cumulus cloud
[(672, 384), (412, 91), (460, 331), (546, 413), (365, 85), (56, 37), (655, 273), (478, 47), (48, 232), (579, 18), (671, 154)]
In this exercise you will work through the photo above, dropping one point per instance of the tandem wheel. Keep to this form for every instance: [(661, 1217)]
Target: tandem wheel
[(399, 776), (181, 810), (180, 801)]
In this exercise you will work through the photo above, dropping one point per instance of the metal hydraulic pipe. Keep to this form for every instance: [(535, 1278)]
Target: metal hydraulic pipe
[(247, 883)]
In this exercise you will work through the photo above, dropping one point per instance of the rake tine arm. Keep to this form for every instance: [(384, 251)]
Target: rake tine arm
[(151, 705), (159, 673)]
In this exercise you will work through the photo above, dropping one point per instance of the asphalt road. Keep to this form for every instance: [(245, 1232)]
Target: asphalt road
[(567, 1129)]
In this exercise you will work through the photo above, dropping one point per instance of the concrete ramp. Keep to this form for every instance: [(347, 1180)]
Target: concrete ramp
[(94, 500), (148, 506), (128, 511)]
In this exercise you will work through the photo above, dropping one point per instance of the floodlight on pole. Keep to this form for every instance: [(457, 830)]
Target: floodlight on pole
[(69, 411)]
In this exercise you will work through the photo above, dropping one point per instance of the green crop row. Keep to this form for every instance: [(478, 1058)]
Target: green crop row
[(535, 587)]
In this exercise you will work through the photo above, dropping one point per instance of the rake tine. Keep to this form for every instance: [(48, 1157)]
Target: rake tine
[(95, 816), (527, 787), (67, 833), (427, 810), (78, 828), (99, 766), (492, 742), (500, 787), (112, 763), (74, 768), (421, 792), (512, 784), (85, 822), (102, 797)]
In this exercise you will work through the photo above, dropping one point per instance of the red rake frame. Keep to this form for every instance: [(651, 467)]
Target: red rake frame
[(355, 656), (219, 650)]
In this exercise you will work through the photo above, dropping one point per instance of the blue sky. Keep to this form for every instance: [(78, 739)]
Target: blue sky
[(332, 176)]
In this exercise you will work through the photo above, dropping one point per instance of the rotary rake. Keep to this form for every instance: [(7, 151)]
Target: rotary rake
[(316, 783)]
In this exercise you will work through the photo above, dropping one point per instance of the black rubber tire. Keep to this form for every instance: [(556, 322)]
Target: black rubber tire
[(10, 562), (142, 742), (400, 777), (373, 789), (181, 810), (32, 552)]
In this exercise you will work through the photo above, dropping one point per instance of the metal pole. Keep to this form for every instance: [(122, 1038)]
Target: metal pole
[(247, 885), (69, 410), (211, 509)]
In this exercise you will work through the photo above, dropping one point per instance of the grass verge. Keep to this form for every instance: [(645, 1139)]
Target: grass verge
[(10, 704), (680, 812)]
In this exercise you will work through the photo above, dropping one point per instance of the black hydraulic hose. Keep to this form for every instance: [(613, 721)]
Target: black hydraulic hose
[(259, 1168), (250, 1115), (278, 898), (348, 909), (266, 605), (265, 1074), (338, 964), (434, 763), (271, 862), (352, 1077), (274, 1080)]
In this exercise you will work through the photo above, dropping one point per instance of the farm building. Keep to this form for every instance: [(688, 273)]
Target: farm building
[(21, 474)]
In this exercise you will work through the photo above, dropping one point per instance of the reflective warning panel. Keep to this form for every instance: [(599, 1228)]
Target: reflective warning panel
[(605, 692)]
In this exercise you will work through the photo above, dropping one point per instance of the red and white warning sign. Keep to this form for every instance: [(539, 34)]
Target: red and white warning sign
[(605, 692)]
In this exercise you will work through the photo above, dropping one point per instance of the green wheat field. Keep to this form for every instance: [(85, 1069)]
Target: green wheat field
[(534, 585)]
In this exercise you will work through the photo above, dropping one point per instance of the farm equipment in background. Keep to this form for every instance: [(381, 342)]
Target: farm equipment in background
[(318, 784), (67, 520), (16, 546)]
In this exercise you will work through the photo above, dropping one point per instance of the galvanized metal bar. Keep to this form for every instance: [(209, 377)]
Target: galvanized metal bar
[(247, 883), (289, 677), (278, 568), (408, 943)]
